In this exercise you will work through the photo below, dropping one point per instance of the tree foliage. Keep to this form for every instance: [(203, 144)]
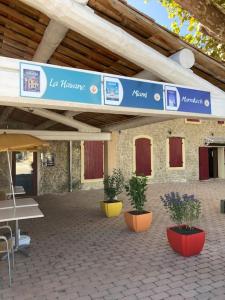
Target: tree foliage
[(195, 33)]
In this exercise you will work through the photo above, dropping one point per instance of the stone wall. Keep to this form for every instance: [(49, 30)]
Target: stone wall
[(4, 172), (55, 179), (193, 134)]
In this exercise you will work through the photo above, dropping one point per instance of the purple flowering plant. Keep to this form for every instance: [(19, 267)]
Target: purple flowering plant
[(183, 210)]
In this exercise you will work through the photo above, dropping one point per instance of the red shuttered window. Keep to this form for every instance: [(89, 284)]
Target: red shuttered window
[(143, 156), (93, 160), (220, 122), (175, 152)]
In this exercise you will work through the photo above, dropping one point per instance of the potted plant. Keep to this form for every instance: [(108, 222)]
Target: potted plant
[(113, 186), (184, 211), (137, 220)]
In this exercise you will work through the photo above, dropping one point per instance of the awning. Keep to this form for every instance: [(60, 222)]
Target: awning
[(215, 141)]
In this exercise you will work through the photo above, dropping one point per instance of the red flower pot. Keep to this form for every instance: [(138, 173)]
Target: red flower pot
[(186, 244)]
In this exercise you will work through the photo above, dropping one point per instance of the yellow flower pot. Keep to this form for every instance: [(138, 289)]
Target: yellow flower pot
[(111, 209)]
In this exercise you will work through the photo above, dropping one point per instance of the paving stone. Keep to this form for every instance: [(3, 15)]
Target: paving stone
[(206, 296), (77, 254), (160, 296)]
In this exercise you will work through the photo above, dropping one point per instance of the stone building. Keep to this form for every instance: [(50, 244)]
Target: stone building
[(105, 86), (194, 135)]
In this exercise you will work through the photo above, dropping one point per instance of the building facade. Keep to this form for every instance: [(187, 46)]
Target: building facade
[(160, 164)]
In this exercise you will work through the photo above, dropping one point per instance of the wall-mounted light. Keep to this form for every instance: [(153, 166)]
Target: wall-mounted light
[(212, 134), (169, 131)]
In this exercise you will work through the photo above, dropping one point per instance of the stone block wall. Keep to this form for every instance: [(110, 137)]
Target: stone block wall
[(4, 172), (193, 134), (55, 179)]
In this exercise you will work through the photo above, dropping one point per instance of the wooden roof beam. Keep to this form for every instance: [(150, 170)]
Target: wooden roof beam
[(5, 114), (48, 114), (50, 123), (80, 19), (52, 38), (51, 135), (135, 122), (83, 2), (183, 57)]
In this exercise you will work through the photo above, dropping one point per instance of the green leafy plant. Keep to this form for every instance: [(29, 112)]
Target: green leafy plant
[(113, 185), (183, 210), (193, 32), (136, 189)]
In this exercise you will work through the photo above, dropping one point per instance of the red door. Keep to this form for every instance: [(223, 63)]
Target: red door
[(203, 163), (93, 159), (143, 156)]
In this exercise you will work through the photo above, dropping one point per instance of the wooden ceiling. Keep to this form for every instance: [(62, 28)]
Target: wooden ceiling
[(149, 32), (22, 28)]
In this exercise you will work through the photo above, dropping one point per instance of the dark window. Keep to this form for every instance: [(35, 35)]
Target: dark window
[(175, 152), (93, 159)]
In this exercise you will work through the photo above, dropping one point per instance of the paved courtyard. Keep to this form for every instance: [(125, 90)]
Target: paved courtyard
[(77, 253)]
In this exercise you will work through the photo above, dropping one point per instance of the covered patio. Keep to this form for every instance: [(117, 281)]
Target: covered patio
[(76, 253)]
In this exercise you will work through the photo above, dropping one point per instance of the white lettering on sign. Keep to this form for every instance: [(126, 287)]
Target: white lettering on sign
[(137, 93), (53, 83), (66, 84), (192, 100)]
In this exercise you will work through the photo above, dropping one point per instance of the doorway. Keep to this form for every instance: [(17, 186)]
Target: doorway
[(24, 171), (208, 163), (213, 162)]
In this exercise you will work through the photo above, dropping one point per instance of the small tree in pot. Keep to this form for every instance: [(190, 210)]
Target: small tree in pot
[(137, 220), (184, 211), (113, 186)]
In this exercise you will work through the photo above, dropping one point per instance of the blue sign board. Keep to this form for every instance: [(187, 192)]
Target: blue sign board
[(133, 93), (187, 100), (60, 84), (64, 84)]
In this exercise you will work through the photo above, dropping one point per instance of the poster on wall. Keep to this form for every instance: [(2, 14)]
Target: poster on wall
[(48, 159), (54, 83), (187, 100), (132, 93)]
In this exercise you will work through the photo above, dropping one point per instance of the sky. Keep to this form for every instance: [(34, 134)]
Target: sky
[(153, 9), (157, 12)]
